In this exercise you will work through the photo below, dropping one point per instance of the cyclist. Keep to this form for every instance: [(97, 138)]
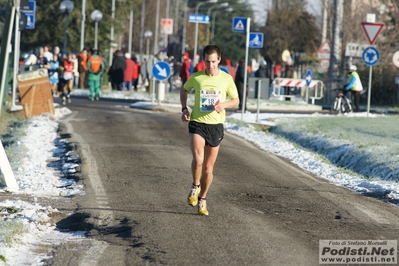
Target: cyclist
[(355, 86)]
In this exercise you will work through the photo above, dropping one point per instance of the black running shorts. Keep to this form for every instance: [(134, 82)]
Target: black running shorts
[(213, 134)]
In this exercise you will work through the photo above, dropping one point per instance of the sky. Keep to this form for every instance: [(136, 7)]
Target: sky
[(37, 178), (260, 7)]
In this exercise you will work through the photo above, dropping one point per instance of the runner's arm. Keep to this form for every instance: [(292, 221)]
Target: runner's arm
[(220, 106), (185, 116)]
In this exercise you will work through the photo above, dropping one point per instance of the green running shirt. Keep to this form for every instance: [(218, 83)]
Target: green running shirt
[(209, 90)]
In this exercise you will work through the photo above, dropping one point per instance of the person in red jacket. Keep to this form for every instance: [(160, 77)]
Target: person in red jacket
[(128, 73), (136, 71), (200, 66), (185, 68), (231, 68)]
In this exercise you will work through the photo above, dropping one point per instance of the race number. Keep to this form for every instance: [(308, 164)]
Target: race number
[(208, 99)]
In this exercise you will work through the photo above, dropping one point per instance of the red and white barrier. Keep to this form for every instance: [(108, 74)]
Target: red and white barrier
[(314, 91), (294, 82)]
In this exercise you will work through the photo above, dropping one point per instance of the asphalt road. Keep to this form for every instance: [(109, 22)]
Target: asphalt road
[(263, 209)]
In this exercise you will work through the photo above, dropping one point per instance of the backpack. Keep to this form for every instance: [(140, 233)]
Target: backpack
[(95, 64)]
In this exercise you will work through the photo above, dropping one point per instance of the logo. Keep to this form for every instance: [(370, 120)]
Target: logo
[(358, 252)]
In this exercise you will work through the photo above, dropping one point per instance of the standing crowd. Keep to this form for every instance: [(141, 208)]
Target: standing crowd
[(86, 69)]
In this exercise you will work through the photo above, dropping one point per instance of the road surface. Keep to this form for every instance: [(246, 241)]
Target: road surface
[(263, 209)]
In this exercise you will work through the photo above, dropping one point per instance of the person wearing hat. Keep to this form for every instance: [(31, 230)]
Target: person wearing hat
[(263, 71), (185, 68), (128, 73), (355, 86)]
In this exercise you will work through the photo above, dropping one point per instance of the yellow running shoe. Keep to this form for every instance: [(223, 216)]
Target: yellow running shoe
[(193, 195), (202, 209)]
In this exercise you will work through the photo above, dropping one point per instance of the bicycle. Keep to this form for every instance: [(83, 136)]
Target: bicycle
[(341, 104)]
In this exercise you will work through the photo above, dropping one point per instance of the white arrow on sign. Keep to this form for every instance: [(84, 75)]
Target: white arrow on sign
[(162, 71)]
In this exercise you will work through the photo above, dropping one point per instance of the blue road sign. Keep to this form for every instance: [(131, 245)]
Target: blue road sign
[(370, 56), (161, 71), (255, 40), (239, 24), (308, 77), (198, 18), (30, 15)]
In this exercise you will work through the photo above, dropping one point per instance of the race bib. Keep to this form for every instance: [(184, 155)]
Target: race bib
[(67, 75), (208, 99)]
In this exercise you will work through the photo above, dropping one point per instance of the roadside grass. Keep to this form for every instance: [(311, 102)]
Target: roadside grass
[(11, 125), (367, 146), (9, 228)]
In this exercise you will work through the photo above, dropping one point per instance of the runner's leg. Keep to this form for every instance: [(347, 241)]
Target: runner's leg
[(211, 154), (197, 145)]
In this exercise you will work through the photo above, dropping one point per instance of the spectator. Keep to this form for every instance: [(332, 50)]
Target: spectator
[(277, 69), (128, 73), (47, 53), (136, 71), (117, 70), (75, 71), (100, 53), (144, 72), (239, 81), (185, 68), (230, 68), (95, 66), (82, 68), (263, 71), (41, 60), (200, 66)]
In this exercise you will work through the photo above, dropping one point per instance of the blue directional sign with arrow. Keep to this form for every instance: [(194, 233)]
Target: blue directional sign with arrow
[(161, 71), (198, 18), (370, 56)]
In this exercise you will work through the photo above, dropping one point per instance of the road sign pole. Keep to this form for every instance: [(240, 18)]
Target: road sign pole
[(153, 90), (244, 94), (17, 42), (369, 92)]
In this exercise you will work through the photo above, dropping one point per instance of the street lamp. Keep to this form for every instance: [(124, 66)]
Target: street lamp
[(147, 36), (196, 27), (66, 8), (213, 22), (225, 4), (82, 26), (96, 16)]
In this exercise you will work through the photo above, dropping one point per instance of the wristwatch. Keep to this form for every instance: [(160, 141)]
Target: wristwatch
[(184, 108)]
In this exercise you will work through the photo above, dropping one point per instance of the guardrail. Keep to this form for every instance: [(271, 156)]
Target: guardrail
[(315, 90)]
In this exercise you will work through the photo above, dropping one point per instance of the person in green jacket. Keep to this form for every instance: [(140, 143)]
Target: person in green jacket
[(96, 67)]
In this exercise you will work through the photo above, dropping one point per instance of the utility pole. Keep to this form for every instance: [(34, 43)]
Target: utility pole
[(130, 29), (332, 53), (156, 30), (82, 26), (325, 15), (112, 32), (142, 30)]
